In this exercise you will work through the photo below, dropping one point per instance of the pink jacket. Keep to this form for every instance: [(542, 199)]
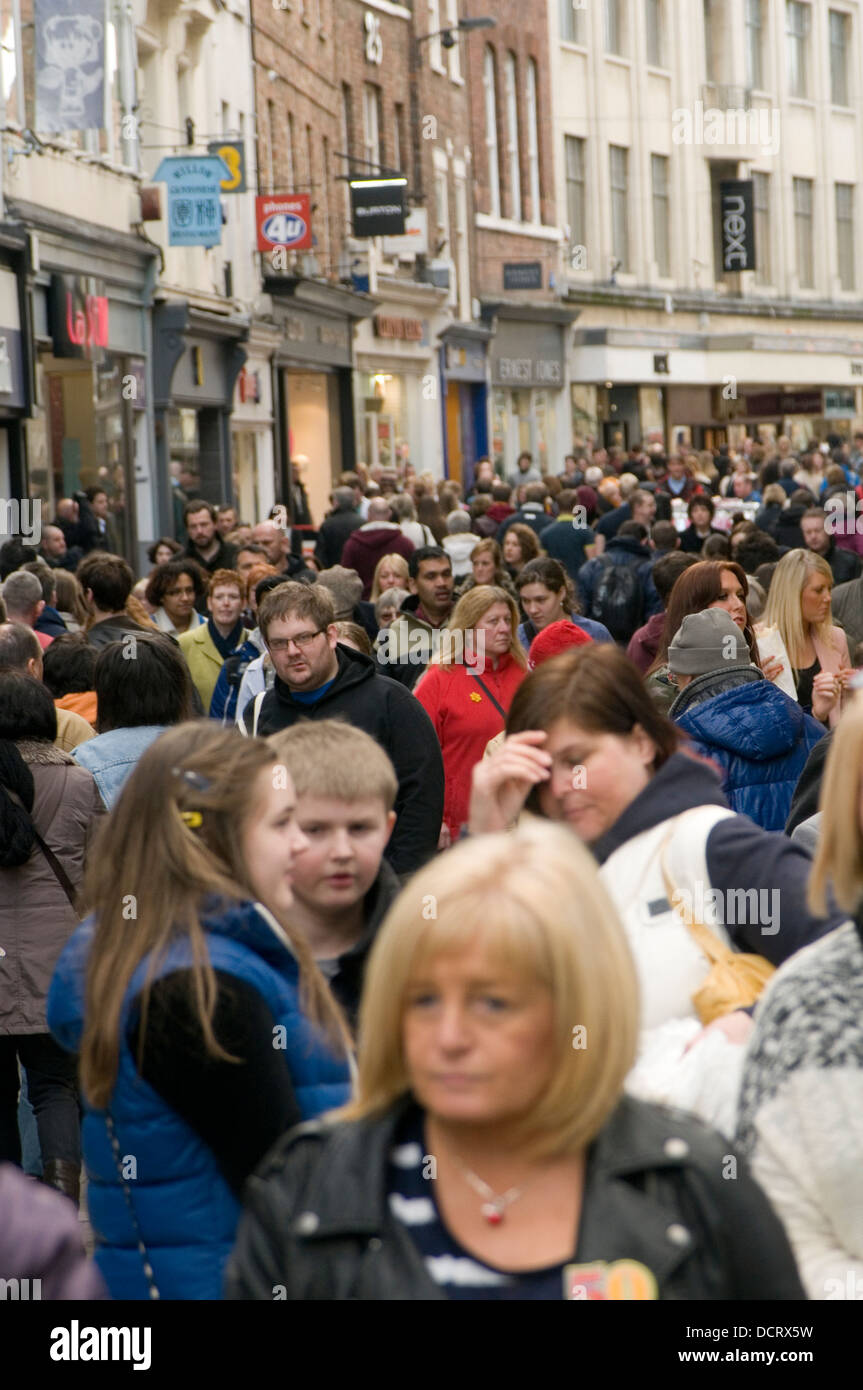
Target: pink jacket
[(833, 656)]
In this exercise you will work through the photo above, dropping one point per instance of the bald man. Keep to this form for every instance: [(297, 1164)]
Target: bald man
[(56, 553), (369, 543)]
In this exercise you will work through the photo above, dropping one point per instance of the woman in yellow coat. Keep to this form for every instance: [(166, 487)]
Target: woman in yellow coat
[(206, 647)]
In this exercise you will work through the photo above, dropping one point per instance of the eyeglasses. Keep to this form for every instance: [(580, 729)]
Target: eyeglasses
[(301, 642)]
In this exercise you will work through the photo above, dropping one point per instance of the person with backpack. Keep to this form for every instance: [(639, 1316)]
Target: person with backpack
[(617, 587), (547, 596)]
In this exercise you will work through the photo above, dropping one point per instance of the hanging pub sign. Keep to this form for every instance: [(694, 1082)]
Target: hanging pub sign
[(378, 207), (194, 205), (79, 316), (283, 221), (70, 64), (737, 224)]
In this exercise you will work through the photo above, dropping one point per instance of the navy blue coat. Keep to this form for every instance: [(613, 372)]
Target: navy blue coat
[(757, 736)]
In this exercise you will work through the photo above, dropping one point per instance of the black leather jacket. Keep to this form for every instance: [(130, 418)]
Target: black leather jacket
[(659, 1189)]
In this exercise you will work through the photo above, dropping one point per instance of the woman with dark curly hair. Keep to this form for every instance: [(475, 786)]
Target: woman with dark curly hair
[(519, 545), (163, 550), (172, 591)]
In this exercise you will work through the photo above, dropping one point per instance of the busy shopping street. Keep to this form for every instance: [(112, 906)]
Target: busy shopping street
[(431, 670)]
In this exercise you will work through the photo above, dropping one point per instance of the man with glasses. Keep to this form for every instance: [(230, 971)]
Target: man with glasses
[(317, 678)]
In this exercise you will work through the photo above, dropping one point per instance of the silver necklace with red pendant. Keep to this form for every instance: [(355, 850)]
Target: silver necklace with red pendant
[(495, 1204)]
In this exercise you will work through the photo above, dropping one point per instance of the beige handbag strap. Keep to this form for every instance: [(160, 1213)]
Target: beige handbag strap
[(706, 940)]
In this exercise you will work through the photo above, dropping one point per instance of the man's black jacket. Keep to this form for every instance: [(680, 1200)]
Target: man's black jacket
[(347, 982), (333, 533), (317, 1224), (397, 721)]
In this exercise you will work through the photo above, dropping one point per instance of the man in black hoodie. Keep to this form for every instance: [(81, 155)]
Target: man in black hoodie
[(317, 678)]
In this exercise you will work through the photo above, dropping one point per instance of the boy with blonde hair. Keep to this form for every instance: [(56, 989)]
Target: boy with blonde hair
[(346, 788)]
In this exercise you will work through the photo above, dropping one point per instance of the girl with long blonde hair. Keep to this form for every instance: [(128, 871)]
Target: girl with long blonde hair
[(798, 605), (203, 1026)]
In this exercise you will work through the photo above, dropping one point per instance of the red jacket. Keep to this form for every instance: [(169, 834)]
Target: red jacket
[(465, 719), (369, 544)]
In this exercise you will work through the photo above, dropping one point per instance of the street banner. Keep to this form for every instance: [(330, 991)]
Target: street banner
[(70, 64), (737, 220)]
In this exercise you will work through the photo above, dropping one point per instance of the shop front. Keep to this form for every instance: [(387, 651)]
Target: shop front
[(197, 359), (312, 368), (91, 424), (529, 405), (397, 381), (464, 373)]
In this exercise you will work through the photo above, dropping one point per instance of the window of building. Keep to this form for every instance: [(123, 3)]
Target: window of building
[(398, 118), (292, 168), (653, 29), (803, 233), (512, 161), (271, 130), (613, 27), (572, 21), (347, 136), (435, 50), (461, 251), (619, 177), (453, 53), (325, 198), (661, 214), (754, 36), (532, 116), (710, 54), (845, 234), (797, 36), (490, 89), (761, 208), (371, 126), (840, 39), (574, 158)]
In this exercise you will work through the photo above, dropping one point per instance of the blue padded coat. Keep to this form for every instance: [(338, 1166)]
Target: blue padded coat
[(756, 735), (185, 1209)]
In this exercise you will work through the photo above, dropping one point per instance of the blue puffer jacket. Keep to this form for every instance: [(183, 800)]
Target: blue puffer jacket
[(755, 734), (185, 1209)]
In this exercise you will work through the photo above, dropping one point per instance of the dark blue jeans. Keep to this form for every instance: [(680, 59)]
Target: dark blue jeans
[(52, 1086)]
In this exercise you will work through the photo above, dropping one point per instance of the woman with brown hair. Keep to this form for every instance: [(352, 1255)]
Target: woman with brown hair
[(587, 747), (709, 584), (203, 1025), (487, 567), (430, 515), (520, 544), (467, 689)]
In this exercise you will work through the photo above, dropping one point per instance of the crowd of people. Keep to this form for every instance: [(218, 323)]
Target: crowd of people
[(428, 902)]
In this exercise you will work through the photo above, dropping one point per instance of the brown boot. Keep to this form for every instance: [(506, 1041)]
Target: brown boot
[(63, 1175)]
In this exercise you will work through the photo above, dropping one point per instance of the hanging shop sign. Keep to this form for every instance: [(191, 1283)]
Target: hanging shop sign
[(79, 316), (284, 221), (194, 198), (522, 275), (233, 152), (70, 64), (415, 241), (378, 207), (737, 219)]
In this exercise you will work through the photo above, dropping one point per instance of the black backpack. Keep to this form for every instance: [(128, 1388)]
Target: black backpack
[(618, 601)]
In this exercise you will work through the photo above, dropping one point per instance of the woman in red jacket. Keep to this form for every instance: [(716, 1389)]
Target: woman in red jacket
[(468, 688)]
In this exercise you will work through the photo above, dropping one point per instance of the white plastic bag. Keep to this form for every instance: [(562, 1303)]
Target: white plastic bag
[(705, 1080)]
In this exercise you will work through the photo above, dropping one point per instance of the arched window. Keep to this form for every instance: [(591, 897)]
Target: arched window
[(512, 164), (533, 142), (490, 86)]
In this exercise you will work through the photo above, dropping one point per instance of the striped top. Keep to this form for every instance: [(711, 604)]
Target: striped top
[(459, 1275)]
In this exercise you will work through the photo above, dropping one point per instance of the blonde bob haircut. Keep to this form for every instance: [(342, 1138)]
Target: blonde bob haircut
[(335, 760), (392, 561), (784, 609), (471, 609), (839, 859), (535, 899)]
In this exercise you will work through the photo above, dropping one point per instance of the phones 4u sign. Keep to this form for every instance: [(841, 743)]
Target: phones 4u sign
[(283, 222)]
